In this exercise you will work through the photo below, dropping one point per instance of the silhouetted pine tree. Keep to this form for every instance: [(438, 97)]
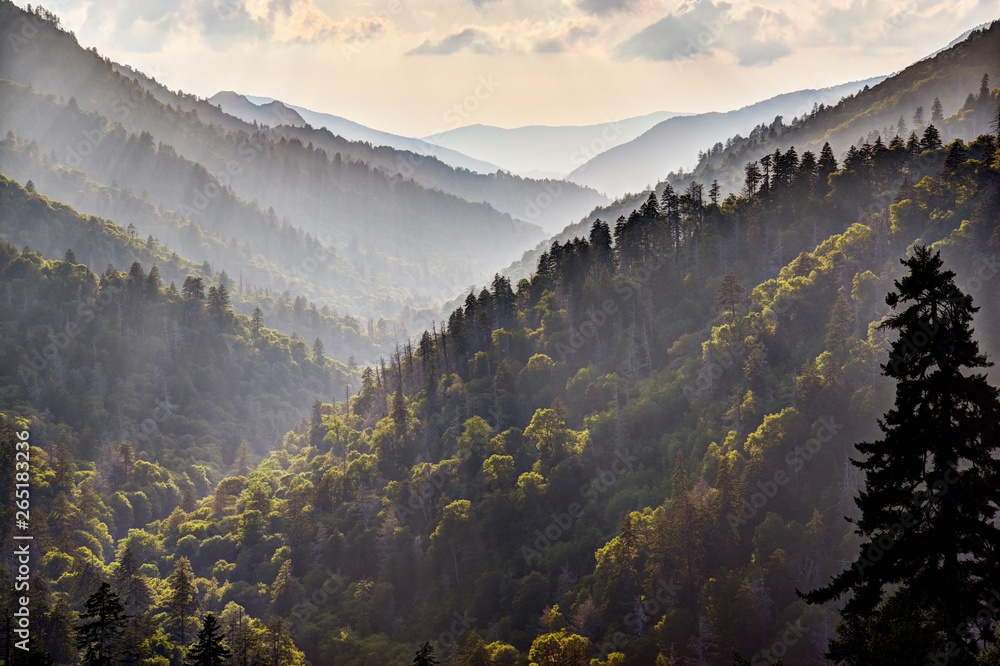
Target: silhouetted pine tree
[(425, 656), (101, 627), (209, 650), (933, 482)]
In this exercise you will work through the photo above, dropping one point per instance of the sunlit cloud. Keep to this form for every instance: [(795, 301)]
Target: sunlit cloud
[(703, 27)]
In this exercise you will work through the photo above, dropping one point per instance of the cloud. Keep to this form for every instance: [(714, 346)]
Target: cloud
[(605, 7), (472, 39), (303, 21), (703, 27), (567, 35)]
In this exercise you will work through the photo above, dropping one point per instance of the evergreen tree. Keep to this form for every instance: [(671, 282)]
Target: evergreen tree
[(937, 112), (101, 627), (131, 585), (931, 139), (183, 596), (956, 156), (933, 482), (730, 294), (193, 288), (153, 283), (256, 323), (70, 256), (827, 164), (425, 656), (210, 650), (319, 351)]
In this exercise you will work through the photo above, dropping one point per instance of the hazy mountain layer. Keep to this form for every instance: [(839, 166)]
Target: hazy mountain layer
[(676, 142), (361, 212), (540, 151), (275, 112)]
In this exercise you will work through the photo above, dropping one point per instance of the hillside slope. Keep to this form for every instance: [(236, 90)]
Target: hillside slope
[(677, 142), (347, 202), (274, 112)]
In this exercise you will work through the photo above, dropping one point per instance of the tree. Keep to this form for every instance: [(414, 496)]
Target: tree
[(193, 288), (256, 323), (131, 585), (933, 481), (474, 652), (101, 627), (319, 351), (70, 257), (827, 164), (937, 112), (153, 283), (955, 157), (918, 117), (209, 650), (183, 597), (218, 299), (425, 656), (931, 139), (730, 294)]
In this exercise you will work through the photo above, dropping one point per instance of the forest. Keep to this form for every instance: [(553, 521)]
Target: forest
[(751, 418)]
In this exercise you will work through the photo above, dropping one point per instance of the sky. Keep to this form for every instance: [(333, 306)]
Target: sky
[(419, 67)]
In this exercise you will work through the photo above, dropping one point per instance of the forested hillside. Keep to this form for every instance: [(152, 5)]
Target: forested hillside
[(749, 417), (52, 229), (636, 456), (900, 106), (222, 173)]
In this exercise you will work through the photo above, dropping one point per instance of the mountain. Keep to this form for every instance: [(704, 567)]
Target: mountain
[(195, 160), (953, 75), (540, 151), (655, 448), (54, 229), (547, 203), (677, 142), (644, 449), (269, 113), (272, 112)]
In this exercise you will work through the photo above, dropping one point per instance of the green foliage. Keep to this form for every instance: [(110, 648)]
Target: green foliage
[(616, 460)]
